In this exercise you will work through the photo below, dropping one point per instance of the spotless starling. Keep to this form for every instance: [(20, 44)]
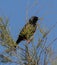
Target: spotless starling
[(28, 30)]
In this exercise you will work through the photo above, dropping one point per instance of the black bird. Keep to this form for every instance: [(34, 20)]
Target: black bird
[(28, 30)]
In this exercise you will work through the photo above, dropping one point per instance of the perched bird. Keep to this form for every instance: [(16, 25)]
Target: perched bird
[(28, 30)]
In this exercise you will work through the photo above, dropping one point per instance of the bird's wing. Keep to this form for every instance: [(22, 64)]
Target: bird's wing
[(23, 31)]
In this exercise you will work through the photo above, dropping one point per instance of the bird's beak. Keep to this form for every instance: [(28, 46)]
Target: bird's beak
[(40, 18)]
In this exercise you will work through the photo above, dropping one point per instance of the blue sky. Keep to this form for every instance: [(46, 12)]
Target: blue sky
[(15, 10)]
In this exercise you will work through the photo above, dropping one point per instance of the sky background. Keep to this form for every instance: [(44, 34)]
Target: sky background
[(15, 10)]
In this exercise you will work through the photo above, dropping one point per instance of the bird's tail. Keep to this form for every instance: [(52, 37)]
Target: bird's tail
[(19, 40)]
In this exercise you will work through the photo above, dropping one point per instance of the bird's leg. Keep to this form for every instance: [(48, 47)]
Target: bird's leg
[(29, 40)]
